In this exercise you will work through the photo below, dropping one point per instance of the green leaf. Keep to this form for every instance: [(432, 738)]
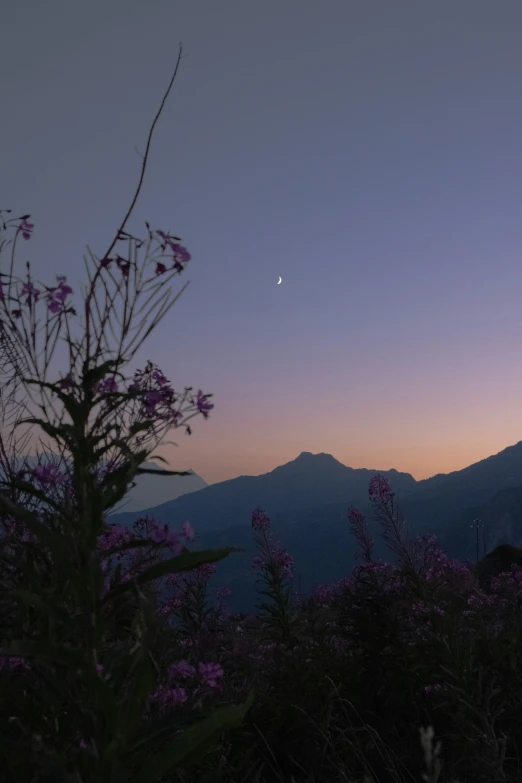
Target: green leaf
[(161, 459), (160, 729), (69, 403), (25, 648), (140, 426), (139, 543), (131, 710), (212, 776), (17, 512), (120, 478), (55, 542), (166, 472), (91, 377), (56, 433), (184, 562), (26, 486), (186, 749), (75, 662), (34, 600)]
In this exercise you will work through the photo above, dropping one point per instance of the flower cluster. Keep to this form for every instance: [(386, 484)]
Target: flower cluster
[(159, 398), (380, 487), (56, 296)]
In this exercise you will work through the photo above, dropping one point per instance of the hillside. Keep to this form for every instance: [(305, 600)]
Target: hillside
[(308, 499), (309, 481)]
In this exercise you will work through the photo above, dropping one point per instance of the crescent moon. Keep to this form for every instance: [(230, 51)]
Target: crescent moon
[(279, 281)]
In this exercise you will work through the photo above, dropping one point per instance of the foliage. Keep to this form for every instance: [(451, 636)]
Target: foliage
[(79, 630)]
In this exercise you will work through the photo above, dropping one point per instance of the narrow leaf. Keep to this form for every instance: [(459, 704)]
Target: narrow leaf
[(184, 562), (186, 748), (166, 472)]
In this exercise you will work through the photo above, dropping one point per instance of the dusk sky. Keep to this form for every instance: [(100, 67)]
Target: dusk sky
[(369, 153)]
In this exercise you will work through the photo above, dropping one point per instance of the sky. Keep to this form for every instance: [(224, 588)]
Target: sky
[(369, 153)]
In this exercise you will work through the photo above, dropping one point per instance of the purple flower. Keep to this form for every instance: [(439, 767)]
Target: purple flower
[(67, 382), (56, 296), (432, 688), (25, 228), (258, 563), (163, 535), (205, 571), (182, 670), (202, 404), (160, 268), (115, 536), (29, 290), (106, 385), (188, 531), (180, 256), (260, 520), (168, 697), (123, 266), (380, 487), (210, 673), (13, 663), (283, 560), (47, 474)]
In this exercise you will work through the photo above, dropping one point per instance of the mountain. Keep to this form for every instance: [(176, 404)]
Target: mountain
[(152, 490), (438, 501), (310, 481), (501, 518), (308, 499)]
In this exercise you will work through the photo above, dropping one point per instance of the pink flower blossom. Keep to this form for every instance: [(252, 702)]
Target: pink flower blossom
[(260, 520), (203, 406), (32, 293), (188, 531), (25, 228), (205, 571), (210, 673), (168, 697), (107, 385), (163, 535), (160, 268), (47, 474), (183, 669), (56, 296), (67, 382), (380, 487)]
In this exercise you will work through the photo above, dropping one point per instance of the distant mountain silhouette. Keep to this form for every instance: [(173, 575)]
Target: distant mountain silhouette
[(308, 499), (501, 516), (438, 501), (152, 490), (310, 481)]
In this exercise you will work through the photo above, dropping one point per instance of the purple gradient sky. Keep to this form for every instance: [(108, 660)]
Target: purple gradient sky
[(369, 153)]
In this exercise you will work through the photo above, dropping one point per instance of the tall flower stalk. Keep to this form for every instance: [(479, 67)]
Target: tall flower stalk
[(77, 604), (275, 568)]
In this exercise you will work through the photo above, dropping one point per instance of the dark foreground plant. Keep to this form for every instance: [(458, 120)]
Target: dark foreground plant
[(79, 633), (388, 649)]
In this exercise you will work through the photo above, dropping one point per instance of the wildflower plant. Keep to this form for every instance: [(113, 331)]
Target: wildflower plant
[(78, 621), (274, 566)]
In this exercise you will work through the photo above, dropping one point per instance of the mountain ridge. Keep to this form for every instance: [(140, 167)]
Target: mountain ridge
[(307, 481)]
